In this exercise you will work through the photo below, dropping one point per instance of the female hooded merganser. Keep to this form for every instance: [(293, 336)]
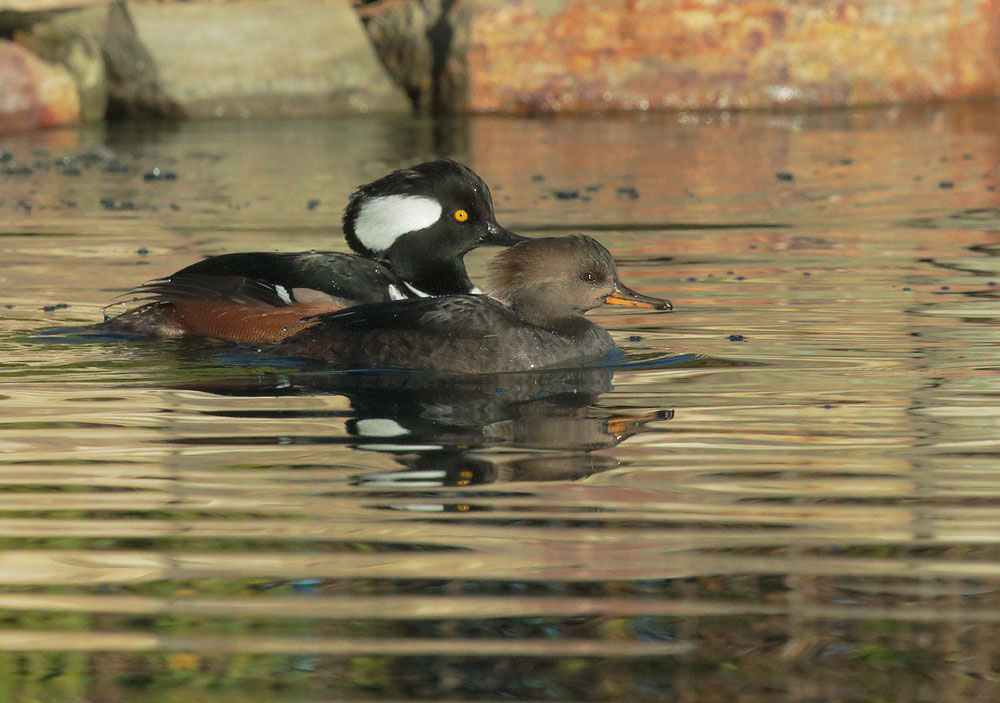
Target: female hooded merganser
[(409, 229), (541, 288)]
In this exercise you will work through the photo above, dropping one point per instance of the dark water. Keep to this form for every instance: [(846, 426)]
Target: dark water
[(787, 490)]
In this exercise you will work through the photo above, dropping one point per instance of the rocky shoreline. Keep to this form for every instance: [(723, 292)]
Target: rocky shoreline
[(65, 62)]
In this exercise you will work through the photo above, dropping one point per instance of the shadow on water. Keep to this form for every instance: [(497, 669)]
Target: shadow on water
[(435, 427)]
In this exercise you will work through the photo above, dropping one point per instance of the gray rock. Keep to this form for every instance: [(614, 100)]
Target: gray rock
[(398, 31), (99, 46), (422, 44), (134, 85), (21, 14), (265, 57)]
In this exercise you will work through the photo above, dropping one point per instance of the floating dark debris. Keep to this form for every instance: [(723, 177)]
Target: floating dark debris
[(158, 174), (95, 153), (566, 193), (112, 204)]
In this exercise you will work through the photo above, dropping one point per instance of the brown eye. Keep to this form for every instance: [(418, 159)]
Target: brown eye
[(588, 276), (461, 215)]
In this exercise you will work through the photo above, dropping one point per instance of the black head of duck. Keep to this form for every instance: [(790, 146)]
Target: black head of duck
[(421, 221)]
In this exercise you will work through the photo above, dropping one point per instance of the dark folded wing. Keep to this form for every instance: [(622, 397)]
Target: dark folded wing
[(231, 289), (452, 314), (333, 273)]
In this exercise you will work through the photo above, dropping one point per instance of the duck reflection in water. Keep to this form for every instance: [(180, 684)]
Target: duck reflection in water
[(440, 429)]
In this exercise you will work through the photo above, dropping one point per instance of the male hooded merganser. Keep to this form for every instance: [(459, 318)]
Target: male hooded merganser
[(540, 290), (409, 229)]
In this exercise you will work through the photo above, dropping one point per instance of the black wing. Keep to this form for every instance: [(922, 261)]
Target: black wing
[(334, 273), (182, 287)]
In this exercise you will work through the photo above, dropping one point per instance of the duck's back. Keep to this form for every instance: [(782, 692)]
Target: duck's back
[(337, 274), (461, 333)]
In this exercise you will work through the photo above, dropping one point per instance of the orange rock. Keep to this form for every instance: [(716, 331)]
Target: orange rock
[(585, 55), (35, 94)]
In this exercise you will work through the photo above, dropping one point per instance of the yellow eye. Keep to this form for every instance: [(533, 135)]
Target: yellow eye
[(461, 215)]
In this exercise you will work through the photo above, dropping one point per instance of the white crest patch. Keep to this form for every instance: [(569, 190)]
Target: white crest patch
[(384, 219)]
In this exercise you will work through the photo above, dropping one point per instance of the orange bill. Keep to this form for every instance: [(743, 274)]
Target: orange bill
[(623, 295)]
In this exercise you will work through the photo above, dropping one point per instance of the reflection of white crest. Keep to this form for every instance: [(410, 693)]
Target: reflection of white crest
[(384, 219), (380, 427)]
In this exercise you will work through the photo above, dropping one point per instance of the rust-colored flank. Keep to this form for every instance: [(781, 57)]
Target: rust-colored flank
[(234, 322)]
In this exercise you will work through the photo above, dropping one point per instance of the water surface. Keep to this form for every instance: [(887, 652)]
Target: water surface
[(787, 490)]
